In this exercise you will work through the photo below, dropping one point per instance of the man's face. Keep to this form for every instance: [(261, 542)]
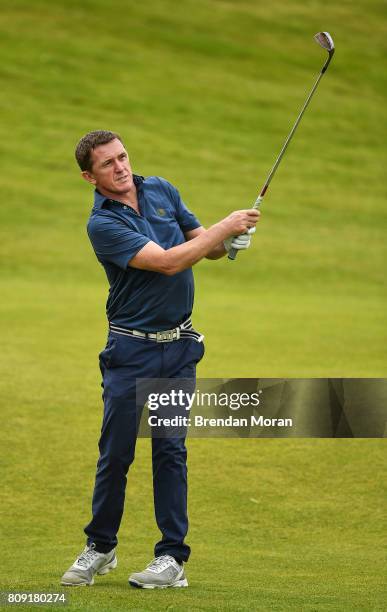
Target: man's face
[(111, 171)]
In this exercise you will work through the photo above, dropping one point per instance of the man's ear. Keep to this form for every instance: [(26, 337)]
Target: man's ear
[(89, 177)]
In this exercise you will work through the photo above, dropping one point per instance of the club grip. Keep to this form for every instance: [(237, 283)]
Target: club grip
[(234, 252)]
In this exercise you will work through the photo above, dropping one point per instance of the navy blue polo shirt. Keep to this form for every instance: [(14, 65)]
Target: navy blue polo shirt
[(139, 299)]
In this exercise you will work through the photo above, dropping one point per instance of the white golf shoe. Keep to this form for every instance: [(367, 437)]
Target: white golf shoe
[(161, 573), (89, 563)]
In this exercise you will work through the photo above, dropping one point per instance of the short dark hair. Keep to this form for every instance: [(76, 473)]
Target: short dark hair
[(89, 142)]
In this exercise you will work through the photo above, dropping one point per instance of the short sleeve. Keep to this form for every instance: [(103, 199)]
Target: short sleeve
[(185, 218), (113, 241)]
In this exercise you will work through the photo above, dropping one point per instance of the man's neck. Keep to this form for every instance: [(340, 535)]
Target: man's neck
[(128, 197)]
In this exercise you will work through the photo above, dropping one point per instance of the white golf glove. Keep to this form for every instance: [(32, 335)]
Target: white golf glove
[(240, 242)]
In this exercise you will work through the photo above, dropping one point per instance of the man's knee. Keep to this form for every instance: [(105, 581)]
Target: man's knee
[(170, 449), (114, 463)]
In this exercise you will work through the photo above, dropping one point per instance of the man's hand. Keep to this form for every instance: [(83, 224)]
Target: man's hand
[(243, 222), (240, 221), (240, 242)]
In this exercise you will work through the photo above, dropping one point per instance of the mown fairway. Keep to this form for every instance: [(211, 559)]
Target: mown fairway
[(203, 93)]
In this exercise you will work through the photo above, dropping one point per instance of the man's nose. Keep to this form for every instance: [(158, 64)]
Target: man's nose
[(118, 165)]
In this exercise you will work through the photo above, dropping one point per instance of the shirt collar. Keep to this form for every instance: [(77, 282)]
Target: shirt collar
[(99, 199)]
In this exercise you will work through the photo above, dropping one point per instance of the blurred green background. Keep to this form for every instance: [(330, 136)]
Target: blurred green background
[(203, 93)]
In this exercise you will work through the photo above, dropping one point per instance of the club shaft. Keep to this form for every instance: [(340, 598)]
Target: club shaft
[(290, 136), (233, 252)]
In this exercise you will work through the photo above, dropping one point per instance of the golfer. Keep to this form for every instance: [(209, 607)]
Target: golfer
[(147, 241)]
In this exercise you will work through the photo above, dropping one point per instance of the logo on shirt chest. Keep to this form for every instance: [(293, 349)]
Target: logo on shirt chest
[(161, 212)]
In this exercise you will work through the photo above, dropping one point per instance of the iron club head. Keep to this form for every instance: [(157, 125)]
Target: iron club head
[(325, 40)]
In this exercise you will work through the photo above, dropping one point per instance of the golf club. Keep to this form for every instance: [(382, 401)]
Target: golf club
[(325, 40)]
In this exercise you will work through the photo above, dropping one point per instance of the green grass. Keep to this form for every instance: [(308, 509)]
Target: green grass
[(207, 102), (203, 92), (275, 524)]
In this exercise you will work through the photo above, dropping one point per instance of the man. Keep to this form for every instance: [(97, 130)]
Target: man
[(147, 241)]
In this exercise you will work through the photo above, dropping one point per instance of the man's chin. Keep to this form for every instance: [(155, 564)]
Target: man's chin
[(123, 187)]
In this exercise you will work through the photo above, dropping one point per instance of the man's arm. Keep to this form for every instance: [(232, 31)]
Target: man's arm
[(156, 259), (217, 252)]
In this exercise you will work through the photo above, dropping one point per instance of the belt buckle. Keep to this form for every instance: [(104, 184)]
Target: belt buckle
[(168, 335)]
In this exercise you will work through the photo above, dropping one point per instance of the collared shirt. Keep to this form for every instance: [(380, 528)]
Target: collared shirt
[(140, 299)]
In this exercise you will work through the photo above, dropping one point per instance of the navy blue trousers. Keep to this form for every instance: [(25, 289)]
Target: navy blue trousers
[(122, 361)]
